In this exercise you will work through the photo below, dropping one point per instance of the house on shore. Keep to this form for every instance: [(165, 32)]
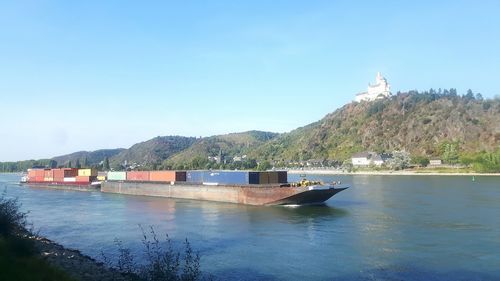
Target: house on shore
[(369, 158)]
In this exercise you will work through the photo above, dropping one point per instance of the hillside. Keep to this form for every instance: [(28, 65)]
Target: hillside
[(228, 146), (151, 153), (428, 124), (92, 157), (419, 123)]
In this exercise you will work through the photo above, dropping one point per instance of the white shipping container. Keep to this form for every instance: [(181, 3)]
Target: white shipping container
[(70, 179)]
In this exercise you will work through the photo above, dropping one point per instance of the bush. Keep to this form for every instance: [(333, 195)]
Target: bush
[(12, 220), (162, 261)]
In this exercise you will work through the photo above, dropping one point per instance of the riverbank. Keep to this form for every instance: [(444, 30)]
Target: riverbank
[(388, 173), (77, 265), (25, 256)]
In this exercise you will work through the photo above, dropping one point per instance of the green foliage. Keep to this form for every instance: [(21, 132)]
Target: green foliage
[(264, 166), (422, 161), (18, 254), (487, 162), (450, 152), (400, 160), (375, 108), (106, 166), (12, 220), (162, 262)]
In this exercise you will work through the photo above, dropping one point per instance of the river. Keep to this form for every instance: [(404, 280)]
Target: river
[(382, 228)]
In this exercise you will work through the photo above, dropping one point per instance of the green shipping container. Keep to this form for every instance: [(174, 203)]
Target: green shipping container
[(117, 176)]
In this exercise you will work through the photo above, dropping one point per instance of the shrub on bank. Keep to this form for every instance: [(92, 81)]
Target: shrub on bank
[(19, 258), (162, 262)]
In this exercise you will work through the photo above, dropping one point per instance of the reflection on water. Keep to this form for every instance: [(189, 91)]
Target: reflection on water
[(382, 228)]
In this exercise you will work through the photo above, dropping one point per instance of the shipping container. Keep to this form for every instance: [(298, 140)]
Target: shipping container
[(39, 173), (167, 176), (39, 179), (101, 178), (263, 177), (72, 179), (102, 174), (85, 179), (58, 173), (195, 176), (253, 177), (65, 173), (117, 176), (48, 173), (273, 177), (282, 177), (56, 179), (218, 177), (70, 172), (48, 179), (138, 176), (87, 172), (236, 177)]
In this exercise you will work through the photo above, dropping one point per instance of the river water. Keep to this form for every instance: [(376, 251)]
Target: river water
[(382, 228)]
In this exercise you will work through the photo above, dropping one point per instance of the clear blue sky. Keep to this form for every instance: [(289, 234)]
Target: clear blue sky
[(86, 75)]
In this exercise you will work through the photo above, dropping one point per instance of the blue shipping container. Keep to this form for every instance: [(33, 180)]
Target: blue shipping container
[(231, 177)]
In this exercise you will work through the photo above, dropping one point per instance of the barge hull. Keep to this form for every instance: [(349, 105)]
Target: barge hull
[(62, 186), (262, 195)]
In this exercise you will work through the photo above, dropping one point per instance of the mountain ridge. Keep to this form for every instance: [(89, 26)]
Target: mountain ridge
[(420, 123)]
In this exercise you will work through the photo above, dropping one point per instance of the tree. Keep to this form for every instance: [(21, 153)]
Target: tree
[(52, 164), (422, 161), (85, 162), (264, 165), (106, 164), (400, 160), (450, 153), (470, 95), (69, 164), (77, 164)]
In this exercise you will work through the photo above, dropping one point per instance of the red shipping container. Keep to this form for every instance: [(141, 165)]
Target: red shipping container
[(39, 173), (32, 173), (162, 176), (48, 173), (58, 173), (58, 179), (70, 172), (138, 176), (83, 179)]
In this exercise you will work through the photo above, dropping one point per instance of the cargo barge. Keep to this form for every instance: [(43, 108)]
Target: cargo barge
[(250, 195), (241, 187), (63, 178)]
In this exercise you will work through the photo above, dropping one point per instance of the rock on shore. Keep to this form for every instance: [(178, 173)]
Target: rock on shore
[(74, 263)]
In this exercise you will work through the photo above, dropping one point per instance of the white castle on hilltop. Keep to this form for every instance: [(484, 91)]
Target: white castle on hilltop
[(381, 89)]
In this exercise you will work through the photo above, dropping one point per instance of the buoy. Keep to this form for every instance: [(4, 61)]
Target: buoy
[(473, 178)]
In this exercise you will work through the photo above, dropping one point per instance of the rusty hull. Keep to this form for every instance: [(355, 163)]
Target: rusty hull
[(250, 195)]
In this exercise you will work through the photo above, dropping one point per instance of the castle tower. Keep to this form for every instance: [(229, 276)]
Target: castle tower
[(381, 89)]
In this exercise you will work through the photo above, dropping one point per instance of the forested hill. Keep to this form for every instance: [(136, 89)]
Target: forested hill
[(429, 124), (420, 123), (86, 158)]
